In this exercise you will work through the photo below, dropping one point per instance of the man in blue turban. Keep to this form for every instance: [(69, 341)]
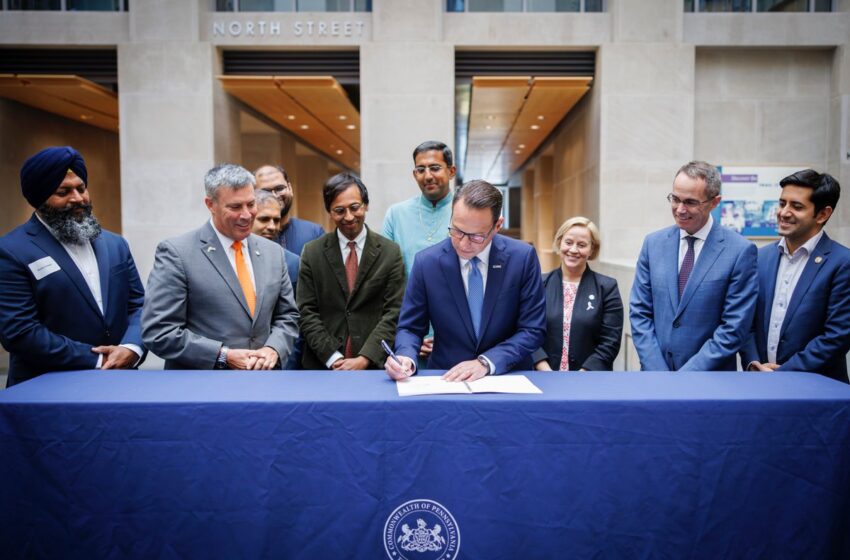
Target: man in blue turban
[(72, 297)]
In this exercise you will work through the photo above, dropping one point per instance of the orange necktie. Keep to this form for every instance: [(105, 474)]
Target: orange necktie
[(244, 277)]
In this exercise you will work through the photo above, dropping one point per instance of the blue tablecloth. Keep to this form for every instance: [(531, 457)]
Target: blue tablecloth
[(336, 465)]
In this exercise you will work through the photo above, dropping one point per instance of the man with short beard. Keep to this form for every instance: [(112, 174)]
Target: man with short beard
[(294, 232), (71, 296)]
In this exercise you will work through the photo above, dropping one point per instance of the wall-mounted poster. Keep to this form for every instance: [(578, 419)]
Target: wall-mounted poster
[(750, 199)]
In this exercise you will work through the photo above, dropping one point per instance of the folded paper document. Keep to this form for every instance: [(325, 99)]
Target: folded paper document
[(433, 385)]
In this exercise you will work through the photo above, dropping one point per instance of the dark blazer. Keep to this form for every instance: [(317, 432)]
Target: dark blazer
[(52, 323), (704, 329), (596, 325), (298, 233), (815, 335), (329, 314), (514, 313)]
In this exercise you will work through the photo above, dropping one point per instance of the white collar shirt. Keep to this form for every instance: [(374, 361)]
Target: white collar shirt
[(701, 235), (227, 244), (466, 264), (359, 244), (787, 276)]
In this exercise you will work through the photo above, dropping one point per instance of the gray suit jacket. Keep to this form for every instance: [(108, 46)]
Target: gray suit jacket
[(195, 303)]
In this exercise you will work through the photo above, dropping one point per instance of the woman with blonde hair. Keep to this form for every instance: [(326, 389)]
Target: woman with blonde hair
[(584, 312)]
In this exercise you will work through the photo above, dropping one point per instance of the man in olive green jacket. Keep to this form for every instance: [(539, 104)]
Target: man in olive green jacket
[(350, 285)]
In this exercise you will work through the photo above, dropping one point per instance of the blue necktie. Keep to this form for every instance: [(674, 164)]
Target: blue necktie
[(475, 295)]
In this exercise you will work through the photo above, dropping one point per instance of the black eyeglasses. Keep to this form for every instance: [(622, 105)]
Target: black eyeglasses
[(340, 211), (477, 238), (688, 202), (277, 189), (433, 168)]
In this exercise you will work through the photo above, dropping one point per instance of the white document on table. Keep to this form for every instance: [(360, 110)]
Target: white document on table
[(433, 385)]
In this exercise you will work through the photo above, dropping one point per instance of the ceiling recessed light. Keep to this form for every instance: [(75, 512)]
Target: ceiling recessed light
[(304, 127), (488, 127), (86, 117), (535, 127), (339, 152), (342, 117), (522, 145), (517, 151), (290, 117), (350, 126), (540, 117)]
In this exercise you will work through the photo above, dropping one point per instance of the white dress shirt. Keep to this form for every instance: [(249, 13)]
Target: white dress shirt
[(701, 235), (360, 242), (790, 269), (227, 244)]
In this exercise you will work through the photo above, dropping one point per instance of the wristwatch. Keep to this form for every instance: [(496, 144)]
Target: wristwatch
[(221, 359), (485, 363)]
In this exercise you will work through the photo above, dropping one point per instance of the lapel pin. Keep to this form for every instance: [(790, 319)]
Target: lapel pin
[(497, 266), (818, 260), (257, 253), (589, 306), (591, 296), (210, 249)]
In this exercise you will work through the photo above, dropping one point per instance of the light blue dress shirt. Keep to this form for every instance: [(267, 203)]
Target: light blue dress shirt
[(416, 224)]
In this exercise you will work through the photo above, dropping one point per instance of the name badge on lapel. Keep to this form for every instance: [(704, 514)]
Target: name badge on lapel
[(43, 267)]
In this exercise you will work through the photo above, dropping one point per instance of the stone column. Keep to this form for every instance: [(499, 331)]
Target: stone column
[(406, 96), (646, 77), (170, 119), (838, 156)]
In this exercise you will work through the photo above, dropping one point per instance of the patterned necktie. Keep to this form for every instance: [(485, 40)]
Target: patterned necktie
[(475, 295), (687, 265), (351, 276), (244, 277)]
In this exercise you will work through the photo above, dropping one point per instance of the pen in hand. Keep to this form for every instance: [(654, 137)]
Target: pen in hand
[(392, 355)]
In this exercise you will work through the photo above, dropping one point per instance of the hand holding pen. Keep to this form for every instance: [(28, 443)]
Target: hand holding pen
[(397, 367)]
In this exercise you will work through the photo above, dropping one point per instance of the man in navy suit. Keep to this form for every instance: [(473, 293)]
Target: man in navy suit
[(693, 297), (802, 320), (294, 233), (481, 291), (71, 296)]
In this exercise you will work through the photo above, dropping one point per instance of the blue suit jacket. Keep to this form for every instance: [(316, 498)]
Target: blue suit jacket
[(705, 330), (298, 233), (513, 320), (293, 265), (815, 335), (51, 324)]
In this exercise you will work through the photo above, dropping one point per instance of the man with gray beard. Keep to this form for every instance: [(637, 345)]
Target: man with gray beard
[(71, 296)]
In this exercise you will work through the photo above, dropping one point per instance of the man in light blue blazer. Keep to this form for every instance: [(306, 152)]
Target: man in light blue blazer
[(802, 320), (694, 294), (481, 291)]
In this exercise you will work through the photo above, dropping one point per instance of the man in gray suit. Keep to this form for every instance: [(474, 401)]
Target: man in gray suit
[(220, 297)]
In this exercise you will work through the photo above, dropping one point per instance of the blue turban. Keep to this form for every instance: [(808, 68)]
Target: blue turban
[(42, 173)]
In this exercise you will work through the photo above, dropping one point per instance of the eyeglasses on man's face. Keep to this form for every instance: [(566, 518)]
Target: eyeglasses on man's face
[(688, 202), (277, 189), (477, 238), (433, 168), (340, 211)]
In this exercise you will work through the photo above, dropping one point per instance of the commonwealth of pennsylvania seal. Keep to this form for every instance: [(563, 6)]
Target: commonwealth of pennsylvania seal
[(421, 530)]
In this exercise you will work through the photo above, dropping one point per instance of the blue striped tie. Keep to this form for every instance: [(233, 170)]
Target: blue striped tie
[(475, 295)]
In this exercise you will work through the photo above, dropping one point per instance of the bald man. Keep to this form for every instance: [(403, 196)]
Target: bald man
[(294, 233), (71, 297)]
